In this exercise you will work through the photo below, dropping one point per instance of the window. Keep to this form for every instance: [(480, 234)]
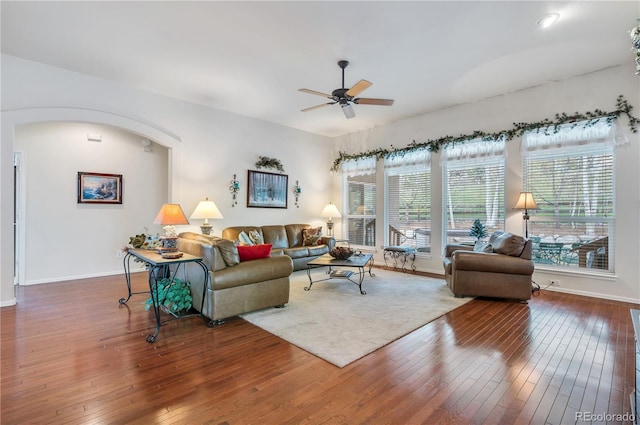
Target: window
[(408, 200), (571, 175), (473, 187), (360, 214)]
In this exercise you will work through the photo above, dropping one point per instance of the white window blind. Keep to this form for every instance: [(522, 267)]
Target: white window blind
[(408, 200), (473, 188), (571, 176), (360, 214)]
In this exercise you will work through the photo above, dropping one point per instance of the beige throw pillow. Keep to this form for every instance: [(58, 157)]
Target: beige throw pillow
[(509, 244), (483, 247), (256, 237), (311, 236), (228, 251)]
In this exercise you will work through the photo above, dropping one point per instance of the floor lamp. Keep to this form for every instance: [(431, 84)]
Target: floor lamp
[(526, 203)]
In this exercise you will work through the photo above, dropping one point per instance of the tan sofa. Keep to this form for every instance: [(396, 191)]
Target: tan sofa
[(285, 239), (503, 270), (235, 287)]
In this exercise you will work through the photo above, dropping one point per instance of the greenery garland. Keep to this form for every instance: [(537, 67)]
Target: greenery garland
[(635, 42), (590, 118), (266, 162)]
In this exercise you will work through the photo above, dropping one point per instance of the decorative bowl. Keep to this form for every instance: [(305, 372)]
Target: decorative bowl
[(341, 252)]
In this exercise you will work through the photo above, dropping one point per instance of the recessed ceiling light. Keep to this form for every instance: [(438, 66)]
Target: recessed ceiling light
[(547, 20)]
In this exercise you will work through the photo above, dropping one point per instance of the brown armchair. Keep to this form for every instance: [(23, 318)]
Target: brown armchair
[(501, 268)]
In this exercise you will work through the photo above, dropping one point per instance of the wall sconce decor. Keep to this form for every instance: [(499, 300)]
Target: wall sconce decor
[(297, 191), (234, 188)]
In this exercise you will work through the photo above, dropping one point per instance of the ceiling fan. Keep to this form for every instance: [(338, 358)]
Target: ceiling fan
[(345, 97)]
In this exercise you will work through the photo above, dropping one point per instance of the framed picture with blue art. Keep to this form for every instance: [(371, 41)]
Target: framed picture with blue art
[(267, 190), (99, 188)]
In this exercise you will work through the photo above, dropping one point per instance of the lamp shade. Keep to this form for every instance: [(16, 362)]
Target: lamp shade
[(170, 215), (526, 202), (205, 210), (330, 211)]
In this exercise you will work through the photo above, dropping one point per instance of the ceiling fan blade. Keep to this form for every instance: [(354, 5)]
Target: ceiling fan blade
[(317, 93), (322, 105), (370, 101), (358, 88)]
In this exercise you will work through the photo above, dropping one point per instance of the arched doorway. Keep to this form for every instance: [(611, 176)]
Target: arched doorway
[(12, 120)]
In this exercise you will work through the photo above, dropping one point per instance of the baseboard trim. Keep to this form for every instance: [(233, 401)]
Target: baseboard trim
[(592, 294), (9, 303), (78, 277)]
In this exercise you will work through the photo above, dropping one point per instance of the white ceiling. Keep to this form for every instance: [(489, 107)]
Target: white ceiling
[(251, 57)]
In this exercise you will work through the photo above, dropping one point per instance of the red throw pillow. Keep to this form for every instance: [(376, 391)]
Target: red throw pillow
[(254, 252)]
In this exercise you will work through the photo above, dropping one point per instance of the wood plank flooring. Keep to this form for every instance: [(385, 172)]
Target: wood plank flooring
[(72, 355)]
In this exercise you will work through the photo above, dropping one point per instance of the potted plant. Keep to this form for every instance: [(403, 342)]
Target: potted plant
[(174, 295), (478, 230)]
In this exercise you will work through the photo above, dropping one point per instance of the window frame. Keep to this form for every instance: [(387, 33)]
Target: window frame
[(474, 154), (573, 255), (353, 169), (418, 237)]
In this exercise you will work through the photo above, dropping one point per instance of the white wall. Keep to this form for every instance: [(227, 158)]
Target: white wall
[(597, 90), (57, 228), (209, 146)]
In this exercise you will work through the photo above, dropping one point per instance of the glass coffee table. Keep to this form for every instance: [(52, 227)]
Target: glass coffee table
[(358, 261)]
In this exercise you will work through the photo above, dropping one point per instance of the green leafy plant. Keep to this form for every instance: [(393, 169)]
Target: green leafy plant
[(623, 107), (266, 162), (174, 294), (144, 241), (478, 230)]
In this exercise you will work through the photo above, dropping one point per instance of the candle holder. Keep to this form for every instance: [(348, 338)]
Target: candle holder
[(297, 191), (234, 188)]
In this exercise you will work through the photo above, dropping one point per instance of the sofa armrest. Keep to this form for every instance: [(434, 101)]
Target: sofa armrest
[(201, 247), (330, 241), (449, 249), (490, 262)]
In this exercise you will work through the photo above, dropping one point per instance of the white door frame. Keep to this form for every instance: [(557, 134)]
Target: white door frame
[(19, 208)]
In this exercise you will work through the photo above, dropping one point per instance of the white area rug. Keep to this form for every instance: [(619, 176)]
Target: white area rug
[(335, 322)]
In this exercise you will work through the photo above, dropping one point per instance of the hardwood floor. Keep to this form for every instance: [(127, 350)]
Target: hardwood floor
[(72, 355)]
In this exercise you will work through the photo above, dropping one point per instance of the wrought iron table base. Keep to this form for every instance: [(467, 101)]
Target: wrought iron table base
[(401, 253), (342, 274), (158, 271)]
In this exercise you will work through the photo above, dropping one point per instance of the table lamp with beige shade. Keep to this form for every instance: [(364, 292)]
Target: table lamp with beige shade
[(204, 211), (330, 211), (169, 216)]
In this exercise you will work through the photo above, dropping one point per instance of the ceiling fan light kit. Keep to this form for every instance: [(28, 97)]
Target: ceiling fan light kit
[(345, 97), (348, 110)]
